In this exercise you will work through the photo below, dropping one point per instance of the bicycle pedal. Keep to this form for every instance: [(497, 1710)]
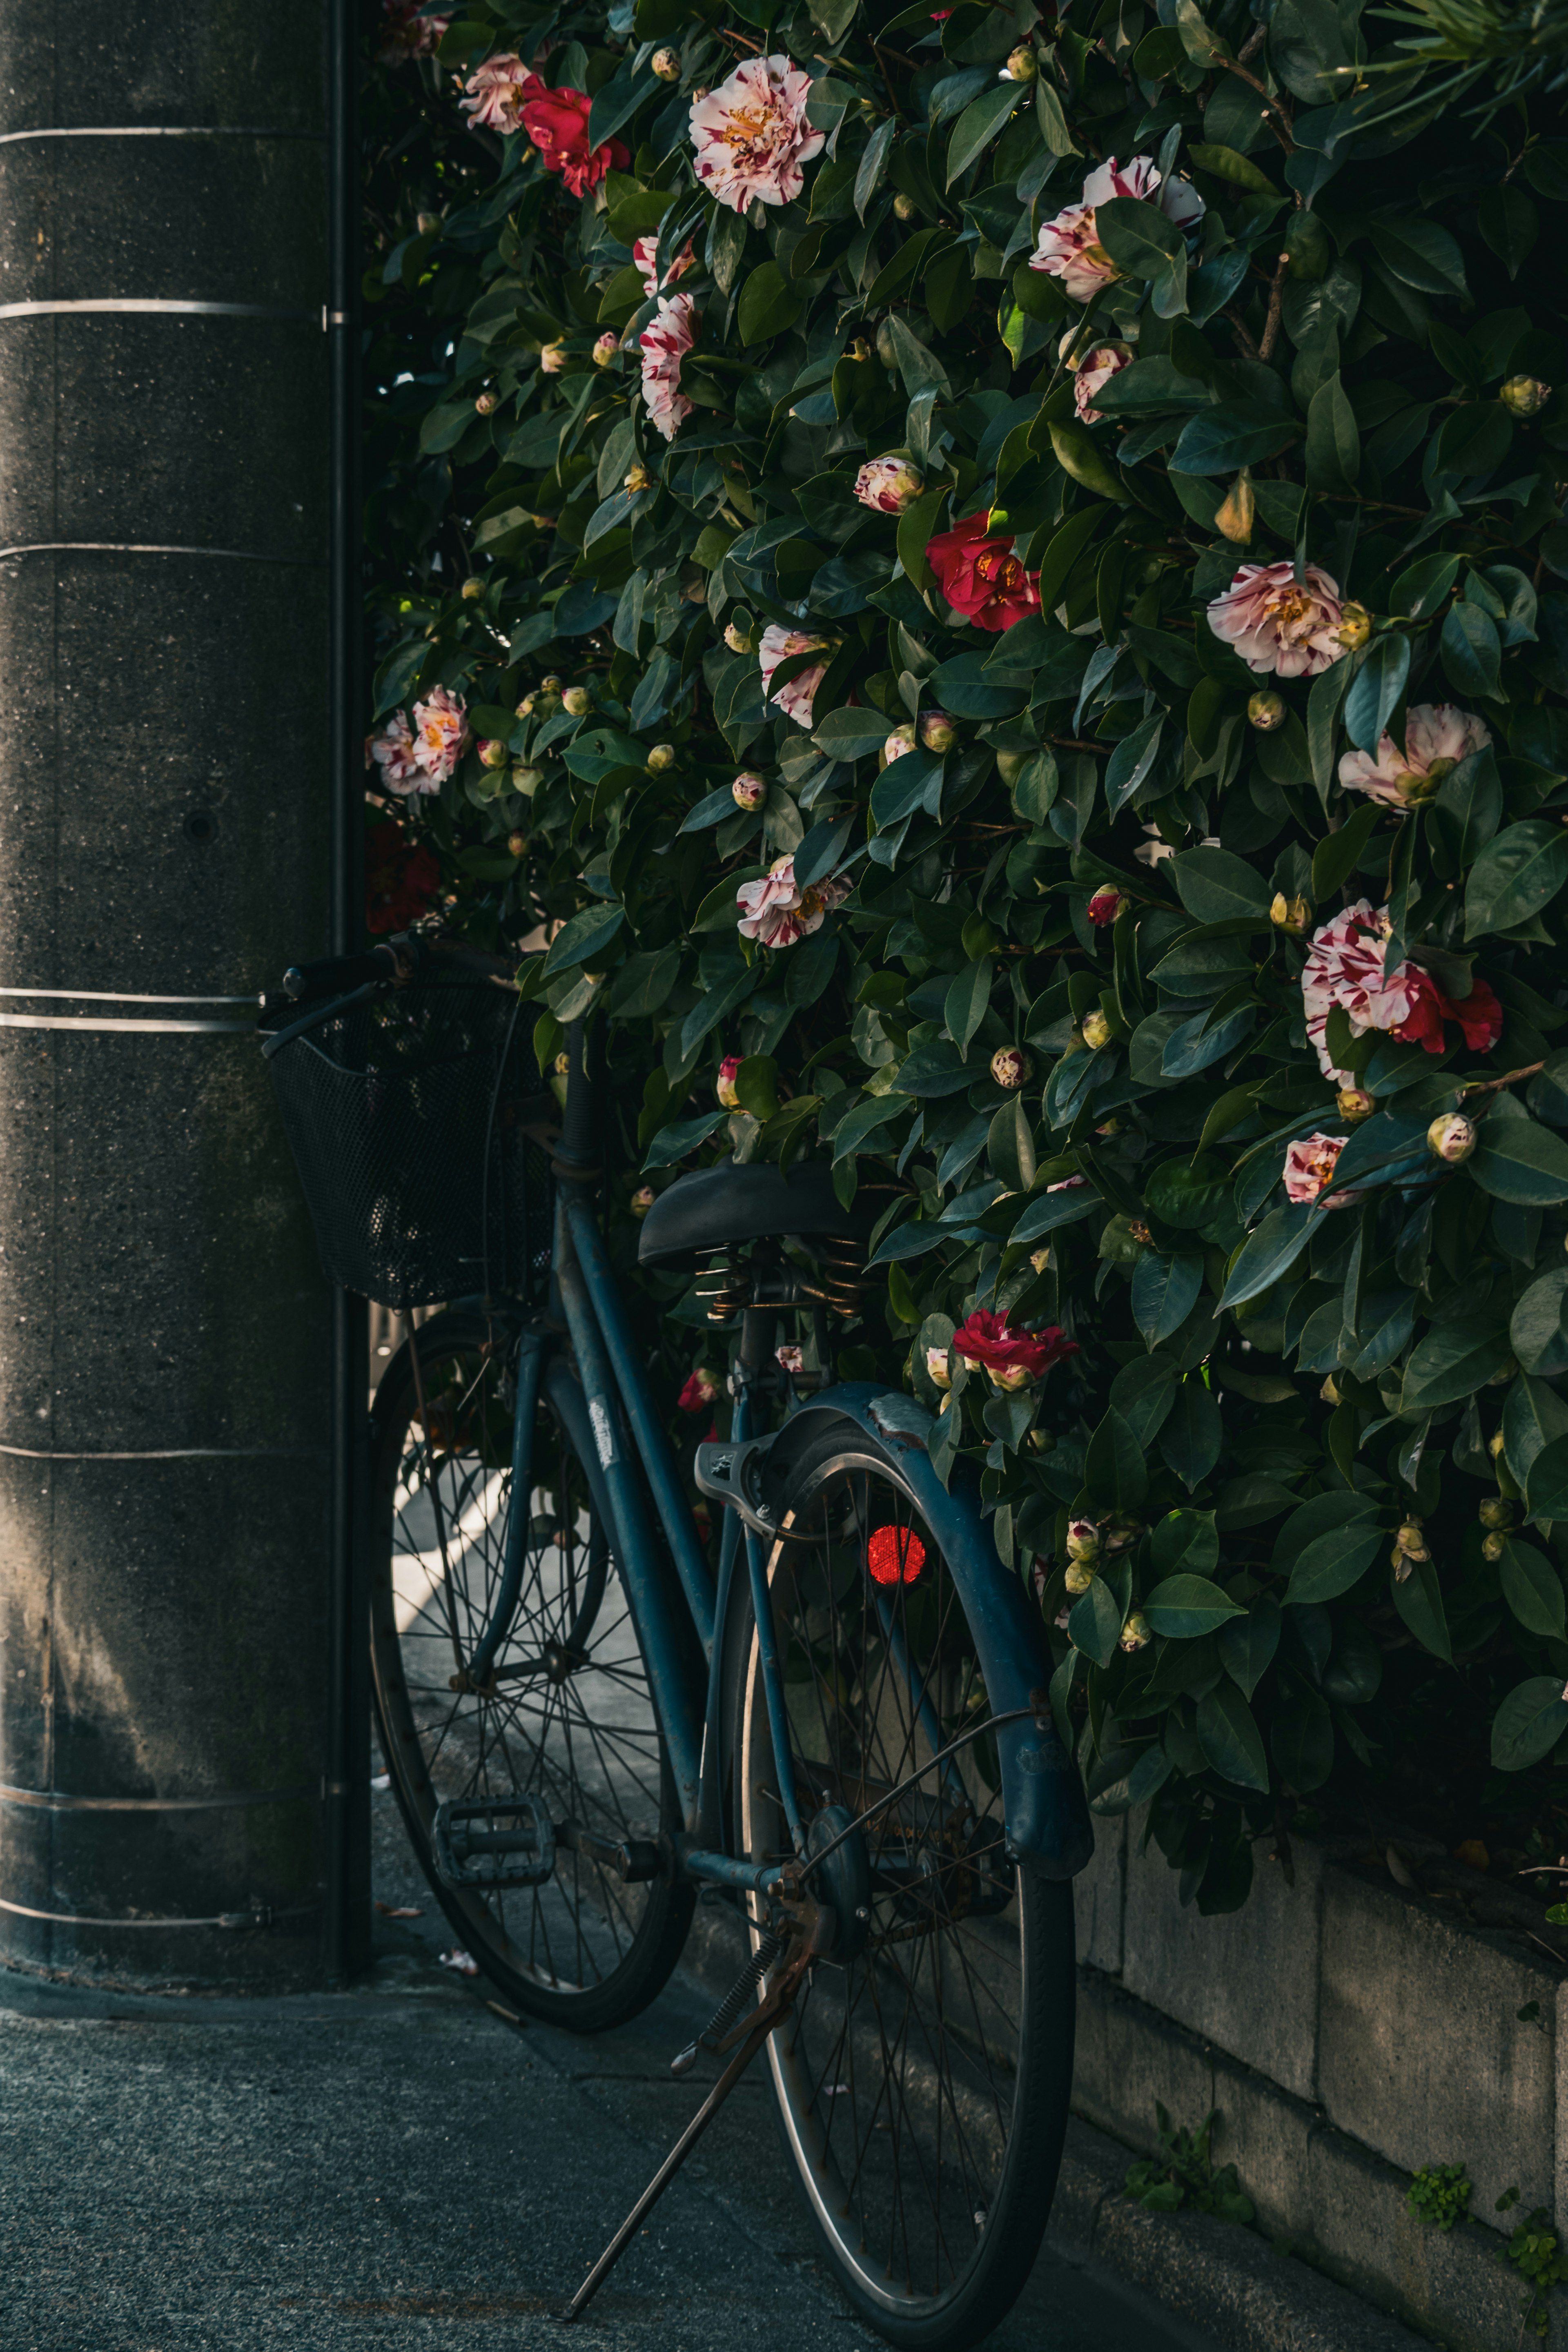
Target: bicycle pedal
[(468, 1854)]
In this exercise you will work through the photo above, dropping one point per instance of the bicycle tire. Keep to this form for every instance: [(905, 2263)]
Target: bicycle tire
[(864, 2114), (584, 1951)]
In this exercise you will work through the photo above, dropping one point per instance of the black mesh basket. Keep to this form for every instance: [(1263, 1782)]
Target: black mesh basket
[(416, 1120)]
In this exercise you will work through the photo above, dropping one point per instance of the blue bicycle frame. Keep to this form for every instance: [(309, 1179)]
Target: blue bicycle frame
[(1046, 1818)]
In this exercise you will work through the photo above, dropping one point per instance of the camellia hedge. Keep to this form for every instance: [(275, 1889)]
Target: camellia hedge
[(995, 577)]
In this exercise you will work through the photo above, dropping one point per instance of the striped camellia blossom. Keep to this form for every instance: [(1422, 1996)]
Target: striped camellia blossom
[(750, 135)]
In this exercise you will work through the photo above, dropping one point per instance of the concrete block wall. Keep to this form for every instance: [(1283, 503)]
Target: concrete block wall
[(1349, 2032)]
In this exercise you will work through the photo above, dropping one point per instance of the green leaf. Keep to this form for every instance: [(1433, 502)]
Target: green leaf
[(1202, 44), (822, 850), (1270, 1251), (1187, 1539), (1131, 762), (873, 168), (1470, 797), (1114, 1470), (1420, 254), (1509, 224), (1010, 1146), (1143, 1394), (1227, 165), (917, 528), (1164, 1292), (1529, 1724), (1194, 1433), (1536, 1331), (582, 938), (1094, 1623), (979, 124), (1517, 1160), (1517, 874), (1532, 1587), (1333, 439), (1217, 887), (1323, 699), (1331, 1542), (1338, 855), (871, 1112), (1246, 1646), (1419, 1600), (1472, 651), (1302, 1738), (1475, 438), (672, 1143), (1230, 1739), (769, 304), (1035, 785), (850, 734), (1223, 440), (1181, 1607), (1420, 589), (1375, 688), (1454, 1359), (1138, 238), (1546, 1478)]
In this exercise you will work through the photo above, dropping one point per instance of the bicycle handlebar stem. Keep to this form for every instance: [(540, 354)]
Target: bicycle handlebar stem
[(575, 1157)]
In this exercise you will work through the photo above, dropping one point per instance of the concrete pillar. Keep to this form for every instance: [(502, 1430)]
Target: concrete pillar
[(167, 1422)]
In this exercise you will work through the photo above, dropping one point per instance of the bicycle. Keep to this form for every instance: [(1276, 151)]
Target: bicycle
[(839, 1727)]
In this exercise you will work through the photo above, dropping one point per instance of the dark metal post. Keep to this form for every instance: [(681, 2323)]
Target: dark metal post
[(171, 1628)]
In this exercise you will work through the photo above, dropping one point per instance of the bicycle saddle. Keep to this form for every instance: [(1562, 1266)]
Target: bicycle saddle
[(715, 1206)]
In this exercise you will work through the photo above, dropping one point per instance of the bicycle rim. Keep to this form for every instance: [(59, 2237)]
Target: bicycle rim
[(922, 2087), (566, 1714)]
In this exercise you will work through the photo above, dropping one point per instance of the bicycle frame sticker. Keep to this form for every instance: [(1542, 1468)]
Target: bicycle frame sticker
[(604, 1435)]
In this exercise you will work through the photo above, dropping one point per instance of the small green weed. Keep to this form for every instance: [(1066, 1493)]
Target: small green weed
[(1534, 2252), (1185, 2174), (1440, 2194)]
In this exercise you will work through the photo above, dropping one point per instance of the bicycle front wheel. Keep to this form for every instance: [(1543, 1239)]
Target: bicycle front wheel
[(564, 1712), (924, 2086)]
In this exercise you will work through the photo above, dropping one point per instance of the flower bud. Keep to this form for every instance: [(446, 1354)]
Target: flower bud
[(525, 708), (1135, 1633), (1009, 1067), (1079, 1577), (578, 700), (553, 358), (724, 1084), (1105, 906), (937, 1370), (904, 207), (1267, 711), (1235, 515), (1493, 1547), (550, 684), (428, 224), (1355, 627), (473, 588), (635, 481), (1525, 395), (886, 348), (1009, 1378), (1291, 915), (1096, 1031), (736, 639), (487, 402), (900, 741), (938, 732), (642, 1201), (1451, 1137), (1496, 1511), (1354, 1103), (492, 754), (1330, 1392), (861, 349), (1411, 1541), (526, 780), (1022, 63), (749, 793), (1401, 1564), (517, 844), (1083, 1539), (1040, 1259), (1497, 1446), (666, 64), (604, 349), (660, 759)]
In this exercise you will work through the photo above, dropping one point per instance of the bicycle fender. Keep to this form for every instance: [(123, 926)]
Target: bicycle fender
[(1047, 1816)]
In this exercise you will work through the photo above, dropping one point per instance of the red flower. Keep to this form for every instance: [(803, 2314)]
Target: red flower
[(1106, 905), (980, 576), (557, 123), (402, 879), (1479, 1015), (700, 1392), (1011, 1358)]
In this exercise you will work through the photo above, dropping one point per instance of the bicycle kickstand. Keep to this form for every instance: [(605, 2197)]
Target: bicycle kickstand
[(765, 2019)]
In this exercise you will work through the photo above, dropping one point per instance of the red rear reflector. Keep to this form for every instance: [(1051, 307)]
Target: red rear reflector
[(895, 1555)]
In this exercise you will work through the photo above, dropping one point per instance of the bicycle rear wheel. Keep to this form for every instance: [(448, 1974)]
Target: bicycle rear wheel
[(566, 1713), (923, 2086)]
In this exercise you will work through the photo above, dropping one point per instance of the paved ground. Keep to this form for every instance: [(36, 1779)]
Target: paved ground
[(400, 2167)]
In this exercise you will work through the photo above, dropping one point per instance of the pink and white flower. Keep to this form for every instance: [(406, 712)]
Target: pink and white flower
[(644, 261), (664, 344), (1094, 372), (795, 696), (1279, 624), (776, 913), (1309, 1164), (889, 484), (1068, 246), (1344, 968), (393, 751), (408, 32), (1437, 735), (724, 1084), (440, 735), (496, 93), (751, 134)]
